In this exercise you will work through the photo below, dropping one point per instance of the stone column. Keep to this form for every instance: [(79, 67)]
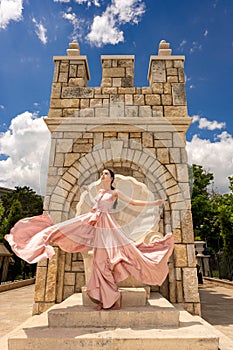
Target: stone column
[(166, 79), (71, 74)]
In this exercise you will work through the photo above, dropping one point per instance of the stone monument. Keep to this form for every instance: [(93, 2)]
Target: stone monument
[(136, 131)]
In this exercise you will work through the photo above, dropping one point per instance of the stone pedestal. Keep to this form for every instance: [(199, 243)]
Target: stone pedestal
[(70, 325), (204, 262)]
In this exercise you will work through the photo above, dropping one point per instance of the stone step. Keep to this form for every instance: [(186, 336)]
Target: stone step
[(36, 334), (130, 296), (191, 336), (131, 282), (71, 313)]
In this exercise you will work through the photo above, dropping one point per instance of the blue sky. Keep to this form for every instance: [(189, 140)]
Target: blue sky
[(33, 31)]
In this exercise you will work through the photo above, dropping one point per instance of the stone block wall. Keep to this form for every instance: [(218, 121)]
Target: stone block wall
[(137, 131)]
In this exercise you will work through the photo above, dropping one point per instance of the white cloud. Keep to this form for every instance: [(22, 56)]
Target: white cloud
[(71, 17), (10, 10), (88, 2), (2, 107), (40, 31), (216, 157), (128, 10), (82, 2), (182, 43), (26, 145), (204, 123), (206, 32), (105, 28), (76, 22), (195, 47)]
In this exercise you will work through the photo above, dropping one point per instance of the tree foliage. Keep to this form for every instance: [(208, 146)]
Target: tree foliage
[(31, 202), (212, 212), (21, 203), (226, 219), (200, 199), (1, 210), (18, 204)]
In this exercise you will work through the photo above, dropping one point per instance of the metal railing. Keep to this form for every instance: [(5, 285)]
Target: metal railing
[(221, 266)]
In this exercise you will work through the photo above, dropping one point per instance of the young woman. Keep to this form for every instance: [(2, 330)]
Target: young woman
[(115, 257)]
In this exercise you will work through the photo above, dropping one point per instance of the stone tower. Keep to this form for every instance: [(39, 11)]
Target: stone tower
[(137, 131)]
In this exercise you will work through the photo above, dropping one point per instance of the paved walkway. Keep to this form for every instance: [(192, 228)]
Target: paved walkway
[(15, 308), (217, 307)]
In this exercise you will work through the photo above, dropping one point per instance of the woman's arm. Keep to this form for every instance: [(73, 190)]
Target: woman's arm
[(138, 202), (86, 188)]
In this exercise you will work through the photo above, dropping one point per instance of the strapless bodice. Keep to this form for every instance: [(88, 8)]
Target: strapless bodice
[(104, 201)]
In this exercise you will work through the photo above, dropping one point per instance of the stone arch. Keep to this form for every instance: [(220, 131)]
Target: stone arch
[(161, 180), (88, 166)]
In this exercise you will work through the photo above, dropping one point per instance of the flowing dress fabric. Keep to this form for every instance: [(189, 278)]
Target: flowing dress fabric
[(115, 257)]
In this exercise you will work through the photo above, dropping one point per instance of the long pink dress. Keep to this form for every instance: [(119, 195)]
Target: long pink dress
[(115, 256)]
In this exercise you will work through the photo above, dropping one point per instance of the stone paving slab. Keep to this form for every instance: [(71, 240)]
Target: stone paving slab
[(225, 343), (16, 307), (192, 336), (217, 307)]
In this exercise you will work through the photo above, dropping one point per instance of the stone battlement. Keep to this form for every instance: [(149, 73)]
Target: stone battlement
[(164, 97)]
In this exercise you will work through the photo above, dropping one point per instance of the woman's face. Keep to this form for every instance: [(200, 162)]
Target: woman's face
[(106, 176)]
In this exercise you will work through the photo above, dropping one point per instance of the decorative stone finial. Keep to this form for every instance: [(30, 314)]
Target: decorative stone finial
[(74, 49), (164, 48)]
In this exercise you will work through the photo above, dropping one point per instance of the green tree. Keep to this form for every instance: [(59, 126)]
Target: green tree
[(1, 210), (200, 200), (31, 202), (1, 219), (211, 227), (230, 178), (213, 219), (23, 202), (14, 215), (7, 223), (226, 219)]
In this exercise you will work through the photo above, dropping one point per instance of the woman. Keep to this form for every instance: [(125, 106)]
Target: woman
[(115, 257)]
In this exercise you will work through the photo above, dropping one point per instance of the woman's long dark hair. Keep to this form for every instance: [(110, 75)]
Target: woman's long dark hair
[(112, 187), (113, 178)]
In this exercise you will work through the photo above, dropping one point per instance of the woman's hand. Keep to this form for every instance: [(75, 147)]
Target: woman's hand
[(85, 188)]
